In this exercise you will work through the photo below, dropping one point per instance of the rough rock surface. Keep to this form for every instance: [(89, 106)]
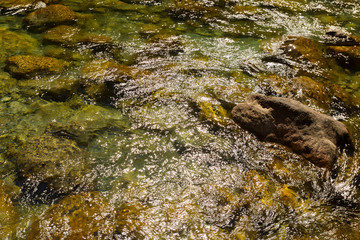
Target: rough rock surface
[(311, 134), (81, 216), (56, 162), (49, 16), (28, 65)]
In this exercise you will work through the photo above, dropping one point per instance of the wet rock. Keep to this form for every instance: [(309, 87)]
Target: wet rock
[(49, 16), (346, 56), (87, 122), (59, 89), (128, 222), (22, 5), (302, 88), (52, 166), (81, 216), (73, 36), (8, 215), (313, 135), (101, 78), (29, 65), (303, 49), (15, 43), (211, 110)]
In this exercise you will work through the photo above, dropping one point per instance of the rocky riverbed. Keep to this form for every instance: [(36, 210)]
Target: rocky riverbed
[(179, 119)]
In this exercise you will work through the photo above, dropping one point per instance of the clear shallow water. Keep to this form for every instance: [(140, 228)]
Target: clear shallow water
[(162, 143)]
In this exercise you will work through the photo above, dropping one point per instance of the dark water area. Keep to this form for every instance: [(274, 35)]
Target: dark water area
[(115, 119)]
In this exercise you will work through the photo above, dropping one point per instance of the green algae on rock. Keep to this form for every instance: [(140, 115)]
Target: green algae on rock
[(49, 16), (16, 43), (57, 162), (81, 216), (73, 36), (30, 65)]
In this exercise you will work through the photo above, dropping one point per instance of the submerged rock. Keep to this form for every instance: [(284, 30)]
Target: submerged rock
[(81, 216), (56, 165), (72, 36), (347, 56), (311, 134), (29, 65), (49, 16), (14, 43), (8, 216)]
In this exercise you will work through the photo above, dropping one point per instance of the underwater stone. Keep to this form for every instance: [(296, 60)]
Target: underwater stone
[(8, 215), (346, 56), (313, 135), (14, 43), (81, 216), (72, 36), (56, 162), (49, 16), (29, 65)]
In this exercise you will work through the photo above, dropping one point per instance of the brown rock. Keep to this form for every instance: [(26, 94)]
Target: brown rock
[(347, 56), (311, 134), (49, 16)]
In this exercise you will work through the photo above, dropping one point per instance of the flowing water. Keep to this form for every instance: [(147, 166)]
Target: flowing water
[(164, 153)]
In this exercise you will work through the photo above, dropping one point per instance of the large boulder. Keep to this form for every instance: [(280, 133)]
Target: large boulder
[(49, 16), (311, 134), (30, 65), (53, 166), (81, 216)]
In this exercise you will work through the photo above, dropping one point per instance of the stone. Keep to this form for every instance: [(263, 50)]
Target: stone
[(346, 56), (22, 5), (73, 36), (49, 16), (81, 216), (59, 89), (16, 43), (8, 215), (57, 164), (313, 135), (100, 77), (30, 65)]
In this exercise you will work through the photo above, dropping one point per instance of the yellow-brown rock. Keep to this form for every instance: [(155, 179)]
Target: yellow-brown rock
[(347, 56), (15, 43), (81, 216), (29, 65), (8, 214), (49, 16), (72, 36)]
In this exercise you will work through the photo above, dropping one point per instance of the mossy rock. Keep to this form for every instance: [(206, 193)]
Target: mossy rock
[(59, 89), (87, 122), (81, 216), (7, 83), (73, 36), (303, 88), (56, 162), (49, 16), (16, 43), (30, 65), (211, 110), (8, 215)]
